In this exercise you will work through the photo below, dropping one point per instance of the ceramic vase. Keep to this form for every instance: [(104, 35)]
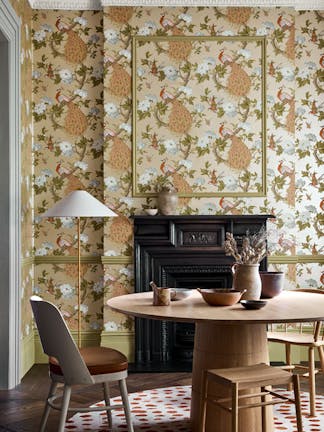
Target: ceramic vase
[(167, 202), (246, 276)]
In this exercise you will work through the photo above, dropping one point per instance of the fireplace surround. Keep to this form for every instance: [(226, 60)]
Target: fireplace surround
[(181, 252)]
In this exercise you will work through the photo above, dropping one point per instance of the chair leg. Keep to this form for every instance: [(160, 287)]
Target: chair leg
[(263, 411), (203, 401), (288, 361), (234, 407), (321, 356), (64, 408), (47, 408), (312, 391), (107, 401), (297, 403), (124, 395)]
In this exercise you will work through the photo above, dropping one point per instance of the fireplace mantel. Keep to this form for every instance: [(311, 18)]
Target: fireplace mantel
[(186, 252)]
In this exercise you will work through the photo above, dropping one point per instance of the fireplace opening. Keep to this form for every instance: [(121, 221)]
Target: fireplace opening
[(180, 252)]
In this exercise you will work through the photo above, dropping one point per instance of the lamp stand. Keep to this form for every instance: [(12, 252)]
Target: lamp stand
[(79, 285)]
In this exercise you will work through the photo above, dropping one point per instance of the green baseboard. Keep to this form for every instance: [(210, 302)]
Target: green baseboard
[(88, 338), (27, 354), (299, 354), (123, 341)]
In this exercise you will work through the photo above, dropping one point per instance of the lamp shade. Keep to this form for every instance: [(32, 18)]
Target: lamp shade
[(79, 203)]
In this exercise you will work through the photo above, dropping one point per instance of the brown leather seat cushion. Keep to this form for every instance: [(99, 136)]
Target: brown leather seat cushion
[(99, 360)]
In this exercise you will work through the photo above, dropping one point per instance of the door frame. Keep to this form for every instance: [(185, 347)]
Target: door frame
[(10, 306)]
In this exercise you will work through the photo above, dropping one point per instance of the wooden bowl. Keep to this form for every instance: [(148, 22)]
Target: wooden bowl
[(253, 304), (220, 297)]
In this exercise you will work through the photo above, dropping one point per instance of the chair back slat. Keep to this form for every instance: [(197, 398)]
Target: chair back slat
[(57, 342)]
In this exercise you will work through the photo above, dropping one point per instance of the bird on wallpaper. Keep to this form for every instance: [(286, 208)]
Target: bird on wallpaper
[(61, 25), (109, 133), (165, 95), (50, 72), (166, 22), (224, 131), (50, 144), (225, 58), (285, 243), (284, 23), (284, 96), (62, 170), (321, 61), (313, 110), (314, 36), (63, 242), (228, 205), (272, 69), (213, 178), (284, 170), (212, 104), (166, 168), (154, 141), (321, 133), (154, 69), (61, 97)]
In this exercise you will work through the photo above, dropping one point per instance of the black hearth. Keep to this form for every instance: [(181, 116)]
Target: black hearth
[(181, 252)]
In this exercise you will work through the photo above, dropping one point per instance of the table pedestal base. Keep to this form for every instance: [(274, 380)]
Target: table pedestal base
[(222, 346)]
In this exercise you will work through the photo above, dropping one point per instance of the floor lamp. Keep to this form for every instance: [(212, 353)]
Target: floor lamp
[(79, 204)]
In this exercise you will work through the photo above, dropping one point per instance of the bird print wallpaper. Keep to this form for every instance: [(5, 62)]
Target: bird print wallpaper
[(199, 115), (82, 137)]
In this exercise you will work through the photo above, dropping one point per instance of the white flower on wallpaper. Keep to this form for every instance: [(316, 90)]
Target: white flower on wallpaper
[(67, 291), (83, 308), (66, 76), (110, 326)]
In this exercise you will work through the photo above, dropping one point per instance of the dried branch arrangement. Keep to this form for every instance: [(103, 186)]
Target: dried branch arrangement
[(254, 247)]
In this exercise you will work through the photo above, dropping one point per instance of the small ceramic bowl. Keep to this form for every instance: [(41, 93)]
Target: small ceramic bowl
[(151, 211), (253, 304), (181, 293), (220, 297)]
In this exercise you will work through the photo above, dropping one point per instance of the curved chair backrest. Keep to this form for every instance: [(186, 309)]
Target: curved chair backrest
[(57, 342)]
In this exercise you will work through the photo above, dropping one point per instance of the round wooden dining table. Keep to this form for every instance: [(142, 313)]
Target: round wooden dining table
[(226, 336)]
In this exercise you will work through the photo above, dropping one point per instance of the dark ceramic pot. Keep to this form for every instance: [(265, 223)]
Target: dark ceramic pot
[(271, 283)]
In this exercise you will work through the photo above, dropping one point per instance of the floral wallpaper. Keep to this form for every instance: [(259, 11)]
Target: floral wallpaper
[(198, 116), (68, 155), (24, 12), (82, 113)]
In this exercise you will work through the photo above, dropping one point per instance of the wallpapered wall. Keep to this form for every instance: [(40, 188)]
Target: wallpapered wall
[(82, 107), (24, 11)]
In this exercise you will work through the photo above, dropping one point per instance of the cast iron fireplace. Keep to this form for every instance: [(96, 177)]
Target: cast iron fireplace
[(181, 252)]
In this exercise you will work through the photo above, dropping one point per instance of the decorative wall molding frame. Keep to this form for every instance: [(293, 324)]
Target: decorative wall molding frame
[(99, 4), (11, 265), (172, 115)]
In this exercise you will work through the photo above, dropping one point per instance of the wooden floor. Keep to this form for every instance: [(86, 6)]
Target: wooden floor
[(21, 408)]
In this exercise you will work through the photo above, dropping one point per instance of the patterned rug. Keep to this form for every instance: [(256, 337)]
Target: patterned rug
[(168, 410)]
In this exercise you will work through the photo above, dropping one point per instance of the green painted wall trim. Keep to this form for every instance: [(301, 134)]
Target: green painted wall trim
[(67, 259), (27, 354), (275, 259), (84, 259), (117, 260), (295, 259), (27, 261), (122, 341), (88, 338)]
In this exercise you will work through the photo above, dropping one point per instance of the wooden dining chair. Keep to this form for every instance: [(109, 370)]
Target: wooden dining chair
[(70, 366), (245, 378), (313, 341)]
